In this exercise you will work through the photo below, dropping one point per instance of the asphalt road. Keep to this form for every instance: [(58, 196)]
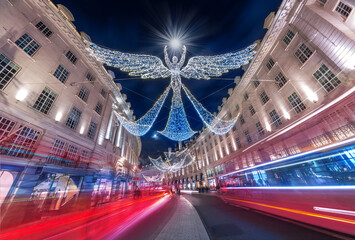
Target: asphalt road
[(224, 221), (150, 227)]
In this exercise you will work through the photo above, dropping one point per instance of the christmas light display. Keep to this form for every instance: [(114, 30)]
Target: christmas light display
[(200, 67), (173, 161), (177, 128), (155, 179), (216, 125), (142, 125)]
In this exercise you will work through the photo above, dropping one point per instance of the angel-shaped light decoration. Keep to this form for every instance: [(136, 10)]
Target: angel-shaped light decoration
[(200, 67)]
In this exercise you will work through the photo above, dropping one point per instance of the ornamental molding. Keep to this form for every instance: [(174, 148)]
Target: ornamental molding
[(70, 33), (268, 42)]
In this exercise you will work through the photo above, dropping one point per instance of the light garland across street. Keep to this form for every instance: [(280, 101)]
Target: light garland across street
[(173, 162)]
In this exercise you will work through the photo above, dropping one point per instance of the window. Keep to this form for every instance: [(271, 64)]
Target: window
[(8, 70), (27, 43), (248, 136), (61, 74), (98, 108), (270, 64), (103, 93), (252, 110), (237, 140), (230, 147), (275, 119), (22, 142), (72, 153), (264, 97), (288, 37), (44, 29), (90, 77), (58, 148), (242, 121), (322, 2), (246, 96), (234, 128), (280, 80), (83, 94), (224, 151), (85, 156), (256, 83), (220, 138), (229, 115), (92, 130), (227, 134), (45, 101), (237, 107), (71, 57), (260, 129), (215, 142), (303, 53), (296, 103), (326, 78), (73, 118), (6, 125), (343, 9)]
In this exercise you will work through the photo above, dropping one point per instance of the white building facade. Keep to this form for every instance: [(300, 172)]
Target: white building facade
[(296, 95), (58, 135)]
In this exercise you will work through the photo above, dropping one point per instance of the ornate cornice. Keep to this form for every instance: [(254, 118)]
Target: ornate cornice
[(70, 33)]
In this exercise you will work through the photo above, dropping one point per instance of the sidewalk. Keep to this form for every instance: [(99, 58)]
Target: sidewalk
[(184, 224)]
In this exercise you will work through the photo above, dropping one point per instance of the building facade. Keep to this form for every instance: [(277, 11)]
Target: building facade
[(60, 143), (297, 94)]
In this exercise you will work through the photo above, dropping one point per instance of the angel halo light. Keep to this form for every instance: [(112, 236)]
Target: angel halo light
[(200, 67)]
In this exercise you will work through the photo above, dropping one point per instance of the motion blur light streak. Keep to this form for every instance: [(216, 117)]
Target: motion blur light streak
[(344, 220), (336, 211), (68, 221), (297, 187), (351, 140), (139, 216)]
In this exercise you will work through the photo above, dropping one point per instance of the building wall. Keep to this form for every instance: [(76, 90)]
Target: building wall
[(36, 142), (329, 36)]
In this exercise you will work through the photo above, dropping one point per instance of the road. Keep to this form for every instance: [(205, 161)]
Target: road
[(224, 221)]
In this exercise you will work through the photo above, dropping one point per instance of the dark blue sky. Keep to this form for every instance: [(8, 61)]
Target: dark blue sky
[(130, 26)]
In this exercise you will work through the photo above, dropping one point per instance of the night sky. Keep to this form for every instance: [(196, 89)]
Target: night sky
[(211, 27)]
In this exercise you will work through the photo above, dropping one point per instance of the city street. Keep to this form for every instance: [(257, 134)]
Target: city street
[(177, 120)]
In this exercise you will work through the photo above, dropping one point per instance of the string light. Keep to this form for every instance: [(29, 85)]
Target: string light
[(177, 127), (216, 125), (156, 178), (142, 125), (200, 67), (173, 162)]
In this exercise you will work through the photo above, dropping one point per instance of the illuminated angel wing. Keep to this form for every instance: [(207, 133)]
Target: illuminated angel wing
[(205, 67), (145, 66)]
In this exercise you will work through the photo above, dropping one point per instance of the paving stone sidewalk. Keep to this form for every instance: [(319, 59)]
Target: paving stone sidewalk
[(184, 224)]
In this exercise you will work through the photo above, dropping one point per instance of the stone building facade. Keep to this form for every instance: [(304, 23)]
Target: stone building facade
[(297, 94), (59, 140)]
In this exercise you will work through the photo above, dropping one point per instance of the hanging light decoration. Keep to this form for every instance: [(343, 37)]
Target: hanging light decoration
[(177, 128), (200, 67), (173, 161), (142, 125), (216, 125), (155, 179)]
